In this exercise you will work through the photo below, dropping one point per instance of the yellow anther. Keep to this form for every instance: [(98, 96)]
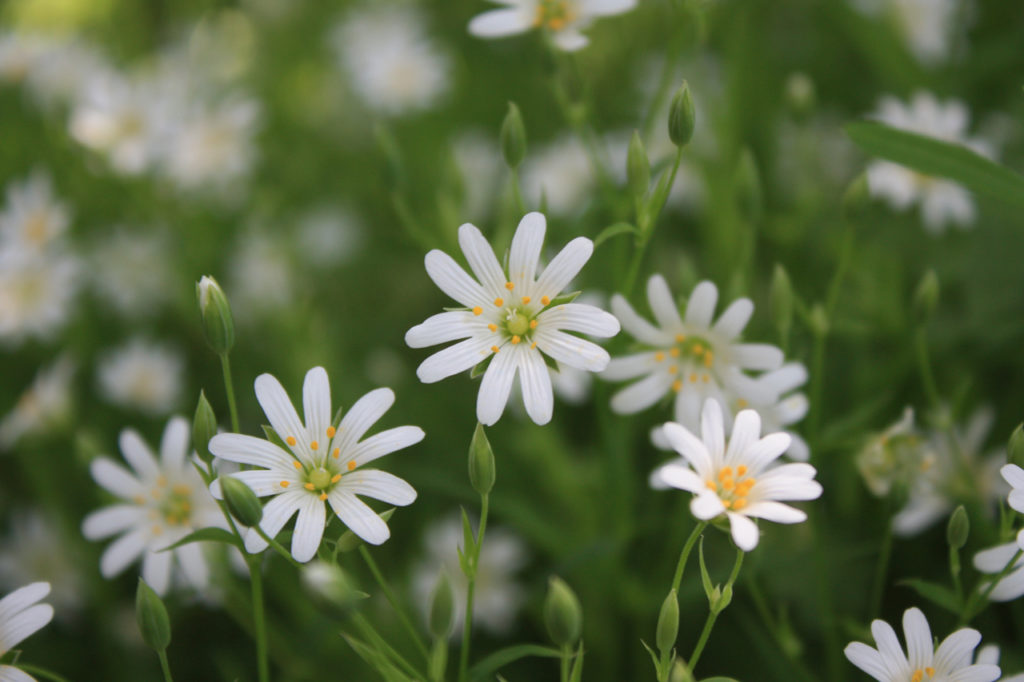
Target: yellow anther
[(741, 469), (156, 493), (510, 286), (290, 440), (917, 676), (181, 489), (297, 465), (680, 338), (741, 403), (728, 484), (139, 499), (709, 359), (724, 473), (533, 345), (672, 369), (161, 481), (314, 445), (516, 339), (705, 378), (693, 378), (727, 503), (930, 671), (477, 310), (545, 300), (285, 484), (499, 301), (493, 327), (331, 431), (337, 453), (677, 385), (351, 465), (659, 357), (533, 324), (157, 530), (711, 485), (323, 496), (674, 352), (495, 349), (525, 299), (309, 486), (739, 503), (335, 478), (697, 349)]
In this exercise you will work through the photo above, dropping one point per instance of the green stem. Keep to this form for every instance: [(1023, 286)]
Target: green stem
[(709, 624), (924, 366), (395, 604), (371, 634), (882, 569), (954, 570), (41, 672), (773, 628), (164, 665), (470, 589), (981, 599), (685, 554), (566, 659), (645, 226), (276, 546), (843, 264), (256, 580), (225, 364)]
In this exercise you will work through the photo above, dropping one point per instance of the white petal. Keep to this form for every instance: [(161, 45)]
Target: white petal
[(481, 258), (282, 415), (744, 531), (175, 444), (1009, 588), (156, 571), (16, 628), (23, 597), (138, 455), (867, 659), (453, 280), (360, 519), (1014, 475), (682, 477), (690, 447), (536, 384), (115, 478), (734, 319), (642, 394), (496, 385), (524, 253), (629, 366), (701, 306), (638, 327), (956, 649), (766, 450), (193, 565), (918, 637), (122, 552), (579, 317), (262, 482), (712, 429), (798, 449), (785, 378), (893, 658), (316, 404), (570, 40), (366, 412), (238, 447), (564, 267), (994, 559), (774, 511), (687, 406), (454, 359), (11, 674), (275, 514), (982, 673), (383, 443), (746, 430), (380, 485), (498, 23), (605, 7), (663, 305), (706, 505), (757, 356), (572, 350), (444, 327), (309, 528), (112, 520)]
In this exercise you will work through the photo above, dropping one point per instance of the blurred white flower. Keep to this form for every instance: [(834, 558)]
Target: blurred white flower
[(36, 293), (564, 19), (33, 217), (132, 270), (735, 477), (559, 176), (926, 25), (260, 276), (923, 661), (514, 335), (60, 72), (21, 616), (993, 560), (212, 145), (943, 202), (35, 549), (18, 54), (161, 501), (480, 164), (320, 464), (142, 376), (46, 403), (392, 62), (1014, 475), (328, 236), (497, 597)]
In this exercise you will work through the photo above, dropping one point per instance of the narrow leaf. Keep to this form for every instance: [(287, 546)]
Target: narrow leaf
[(206, 535), (935, 593), (490, 665), (613, 231)]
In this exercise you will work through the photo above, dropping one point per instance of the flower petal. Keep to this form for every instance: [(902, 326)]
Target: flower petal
[(572, 350), (701, 306), (570, 40), (453, 280), (579, 317), (746, 430), (380, 485), (706, 505), (536, 384), (757, 356), (454, 359), (731, 323), (275, 514), (138, 455), (193, 565), (499, 23), (663, 304), (524, 253), (564, 267), (744, 531), (122, 552), (175, 444), (867, 659), (497, 384), (955, 651), (262, 482), (442, 328), (112, 520), (680, 476), (316, 404), (481, 258), (629, 366), (890, 650), (115, 478), (774, 511), (11, 674), (360, 519), (282, 415), (238, 447), (156, 570), (366, 412), (690, 447), (638, 327), (712, 429), (21, 598), (766, 450), (641, 394), (383, 443), (919, 639), (309, 528), (14, 629)]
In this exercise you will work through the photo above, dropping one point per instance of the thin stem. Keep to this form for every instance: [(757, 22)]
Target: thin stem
[(371, 633), (164, 665), (685, 554), (971, 610), (276, 546), (954, 570), (395, 604), (225, 364), (41, 672), (709, 624), (256, 580), (566, 657), (471, 588), (883, 565), (842, 265), (646, 225), (924, 366), (761, 606)]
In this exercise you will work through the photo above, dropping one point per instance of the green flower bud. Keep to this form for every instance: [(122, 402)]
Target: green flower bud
[(481, 462), (724, 598), (154, 623), (681, 116), (800, 96), (513, 137), (781, 302), (638, 168), (856, 198), (442, 607), (818, 321), (958, 528), (350, 541), (926, 296), (668, 623), (748, 187), (1015, 448), (679, 673), (562, 613), (204, 427), (215, 313), (241, 501)]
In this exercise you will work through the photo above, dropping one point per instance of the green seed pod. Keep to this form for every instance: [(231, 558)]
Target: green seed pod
[(668, 623), (442, 607), (513, 137), (1015, 448), (958, 529), (241, 501), (562, 613), (154, 623), (926, 296), (204, 427), (215, 313), (681, 116), (481, 462), (638, 168)]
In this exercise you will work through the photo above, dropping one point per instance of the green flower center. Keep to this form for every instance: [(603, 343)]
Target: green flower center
[(176, 505), (517, 324)]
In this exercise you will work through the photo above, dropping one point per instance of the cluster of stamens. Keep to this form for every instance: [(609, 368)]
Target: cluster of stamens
[(553, 14), (320, 477), (732, 486), (172, 505), (519, 321), (919, 674), (692, 351)]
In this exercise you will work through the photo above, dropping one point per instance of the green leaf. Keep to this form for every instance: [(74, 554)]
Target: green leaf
[(468, 545), (935, 593), (272, 436), (930, 156), (577, 667), (480, 367), (614, 231), (563, 299), (211, 534), (375, 660), (502, 657), (654, 657)]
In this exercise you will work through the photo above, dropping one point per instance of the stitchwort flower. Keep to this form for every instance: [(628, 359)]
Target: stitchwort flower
[(321, 463), (511, 320), (21, 616), (735, 478), (564, 19)]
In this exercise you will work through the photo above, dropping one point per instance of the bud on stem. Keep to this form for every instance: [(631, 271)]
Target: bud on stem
[(562, 613), (154, 623), (204, 427), (481, 462), (241, 501), (215, 313), (513, 137), (681, 116)]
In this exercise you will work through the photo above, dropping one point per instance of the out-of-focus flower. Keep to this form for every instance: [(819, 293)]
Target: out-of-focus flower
[(943, 202), (161, 501), (260, 278), (212, 144), (990, 654), (328, 236), (59, 72), (480, 164), (893, 457), (392, 62), (45, 404), (36, 293), (35, 549), (511, 320), (33, 218), (1014, 475), (564, 19), (926, 25), (691, 357), (735, 477), (993, 560), (497, 596), (133, 271), (558, 176), (142, 376), (320, 464), (951, 660), (18, 54), (21, 616)]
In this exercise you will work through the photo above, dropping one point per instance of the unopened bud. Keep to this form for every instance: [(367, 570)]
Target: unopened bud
[(562, 613), (668, 623), (215, 313), (241, 501), (1015, 447), (481, 462), (442, 607), (154, 623), (513, 137), (681, 116), (926, 296), (679, 673), (818, 321), (638, 168), (204, 427), (724, 598), (958, 528)]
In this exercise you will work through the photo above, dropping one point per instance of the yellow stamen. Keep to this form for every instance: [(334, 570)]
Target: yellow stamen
[(917, 676), (741, 469), (709, 359), (739, 503), (727, 503), (930, 671), (516, 339), (672, 369), (705, 378), (157, 530), (351, 465), (337, 453), (724, 473), (331, 431), (533, 324), (477, 310), (290, 440), (674, 352), (495, 349), (323, 496), (545, 300), (499, 301), (533, 345), (309, 486), (285, 484), (181, 489), (139, 499), (680, 338), (314, 445), (510, 286), (161, 481), (728, 484), (659, 357), (493, 327), (741, 403), (711, 485), (335, 478), (526, 299), (677, 385), (297, 465), (693, 378)]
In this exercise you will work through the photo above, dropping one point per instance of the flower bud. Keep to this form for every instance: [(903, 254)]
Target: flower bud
[(481, 462), (958, 528), (562, 613), (204, 427), (215, 313), (638, 168), (327, 580), (679, 673), (513, 137), (154, 623), (723, 598), (818, 321), (442, 607), (926, 296), (1015, 448), (681, 116), (241, 501), (781, 302), (668, 623)]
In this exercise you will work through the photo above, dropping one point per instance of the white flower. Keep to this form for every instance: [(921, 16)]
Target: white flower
[(511, 319), (33, 217), (735, 478), (926, 25), (392, 62), (60, 72), (133, 271), (943, 202), (480, 165), (558, 175), (328, 236), (1014, 475), (691, 357), (563, 18), (990, 654), (161, 501), (19, 53), (142, 376), (260, 277), (498, 597), (993, 560), (213, 144), (46, 403), (36, 293), (36, 549), (21, 616), (923, 662), (320, 464)]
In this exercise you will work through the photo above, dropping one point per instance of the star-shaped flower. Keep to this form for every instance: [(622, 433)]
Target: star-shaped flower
[(565, 19), (21, 616)]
